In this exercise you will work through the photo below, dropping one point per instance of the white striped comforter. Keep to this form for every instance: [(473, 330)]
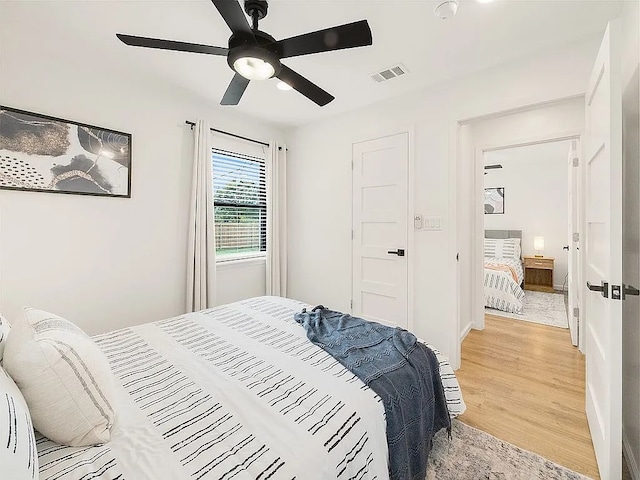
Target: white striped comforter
[(501, 291), (234, 392)]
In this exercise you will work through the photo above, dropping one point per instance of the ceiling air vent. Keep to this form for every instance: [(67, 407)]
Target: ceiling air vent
[(389, 73)]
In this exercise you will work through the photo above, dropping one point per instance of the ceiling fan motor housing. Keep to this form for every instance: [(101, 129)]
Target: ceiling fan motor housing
[(259, 45), (256, 8)]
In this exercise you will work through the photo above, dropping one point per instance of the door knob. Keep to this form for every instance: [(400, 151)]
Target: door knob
[(603, 288), (399, 252), (629, 290)]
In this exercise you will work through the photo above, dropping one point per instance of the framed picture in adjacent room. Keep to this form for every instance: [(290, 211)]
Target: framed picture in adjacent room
[(39, 153), (494, 200)]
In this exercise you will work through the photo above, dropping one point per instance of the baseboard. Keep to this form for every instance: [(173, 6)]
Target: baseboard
[(465, 332), (558, 288), (632, 462)]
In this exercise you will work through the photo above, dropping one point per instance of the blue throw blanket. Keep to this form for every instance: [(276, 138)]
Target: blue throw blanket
[(402, 371)]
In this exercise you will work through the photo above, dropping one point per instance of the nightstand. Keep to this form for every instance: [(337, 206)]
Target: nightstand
[(538, 274)]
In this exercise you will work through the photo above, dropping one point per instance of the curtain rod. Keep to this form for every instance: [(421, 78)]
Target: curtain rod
[(232, 135)]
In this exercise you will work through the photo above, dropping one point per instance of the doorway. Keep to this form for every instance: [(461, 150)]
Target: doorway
[(506, 390), (559, 121), (527, 205)]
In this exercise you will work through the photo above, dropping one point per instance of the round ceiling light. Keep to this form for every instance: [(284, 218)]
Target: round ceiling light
[(284, 86), (446, 9), (253, 68)]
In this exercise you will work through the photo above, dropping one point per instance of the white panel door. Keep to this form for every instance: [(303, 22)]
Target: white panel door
[(380, 171), (573, 231), (603, 255)]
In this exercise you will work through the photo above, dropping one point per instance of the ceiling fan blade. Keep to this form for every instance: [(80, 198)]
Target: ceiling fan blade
[(235, 90), (233, 15), (171, 45), (304, 86), (350, 35)]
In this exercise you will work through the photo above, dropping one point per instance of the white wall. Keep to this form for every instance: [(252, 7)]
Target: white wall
[(240, 280), (319, 179), (631, 237), (102, 262), (535, 181), (544, 121)]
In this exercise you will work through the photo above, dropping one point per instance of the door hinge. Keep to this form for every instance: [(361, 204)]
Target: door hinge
[(352, 234), (351, 304), (576, 312), (351, 164), (576, 237), (576, 162)]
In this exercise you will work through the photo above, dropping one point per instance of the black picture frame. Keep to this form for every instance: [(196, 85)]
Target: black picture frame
[(41, 153), (494, 201)]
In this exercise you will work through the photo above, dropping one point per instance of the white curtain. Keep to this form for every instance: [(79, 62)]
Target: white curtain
[(277, 220), (201, 249)]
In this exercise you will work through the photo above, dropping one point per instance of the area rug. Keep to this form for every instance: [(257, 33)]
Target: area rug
[(539, 307), (472, 454)]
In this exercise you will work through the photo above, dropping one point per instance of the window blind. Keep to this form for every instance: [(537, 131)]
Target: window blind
[(240, 204)]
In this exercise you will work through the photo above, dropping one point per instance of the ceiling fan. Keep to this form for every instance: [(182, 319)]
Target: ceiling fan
[(255, 55)]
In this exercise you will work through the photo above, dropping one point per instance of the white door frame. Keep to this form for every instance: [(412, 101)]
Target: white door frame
[(410, 130), (454, 192), (573, 282)]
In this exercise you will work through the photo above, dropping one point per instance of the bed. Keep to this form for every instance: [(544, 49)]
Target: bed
[(233, 392), (503, 270)]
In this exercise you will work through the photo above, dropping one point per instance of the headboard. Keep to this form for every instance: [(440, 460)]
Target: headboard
[(503, 234)]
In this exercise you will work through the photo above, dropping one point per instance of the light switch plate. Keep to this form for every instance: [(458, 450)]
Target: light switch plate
[(432, 223)]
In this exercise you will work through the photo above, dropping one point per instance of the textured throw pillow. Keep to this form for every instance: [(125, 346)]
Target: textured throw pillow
[(502, 247), (64, 377), (4, 332), (18, 455)]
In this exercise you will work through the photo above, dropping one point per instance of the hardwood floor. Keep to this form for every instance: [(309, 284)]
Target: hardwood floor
[(524, 383)]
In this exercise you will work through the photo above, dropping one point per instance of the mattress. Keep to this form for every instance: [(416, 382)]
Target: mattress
[(233, 392), (501, 290)]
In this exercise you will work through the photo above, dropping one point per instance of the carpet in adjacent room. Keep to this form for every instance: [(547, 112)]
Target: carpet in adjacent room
[(472, 454), (539, 307)]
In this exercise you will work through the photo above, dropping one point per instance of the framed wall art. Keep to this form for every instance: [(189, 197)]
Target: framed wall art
[(39, 153), (494, 200)]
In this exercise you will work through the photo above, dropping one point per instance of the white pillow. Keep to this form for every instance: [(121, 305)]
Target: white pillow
[(502, 248), (64, 377), (18, 455), (4, 332)]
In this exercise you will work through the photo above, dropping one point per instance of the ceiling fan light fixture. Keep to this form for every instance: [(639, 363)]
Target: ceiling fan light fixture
[(253, 68), (254, 62)]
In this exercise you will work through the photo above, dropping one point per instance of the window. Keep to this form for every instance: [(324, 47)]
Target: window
[(240, 205)]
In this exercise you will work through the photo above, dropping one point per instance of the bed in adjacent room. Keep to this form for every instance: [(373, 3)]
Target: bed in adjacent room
[(503, 270), (233, 392)]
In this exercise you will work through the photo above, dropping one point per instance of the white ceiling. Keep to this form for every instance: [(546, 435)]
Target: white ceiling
[(406, 31)]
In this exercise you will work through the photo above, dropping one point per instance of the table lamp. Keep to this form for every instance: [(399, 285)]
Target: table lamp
[(538, 246)]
